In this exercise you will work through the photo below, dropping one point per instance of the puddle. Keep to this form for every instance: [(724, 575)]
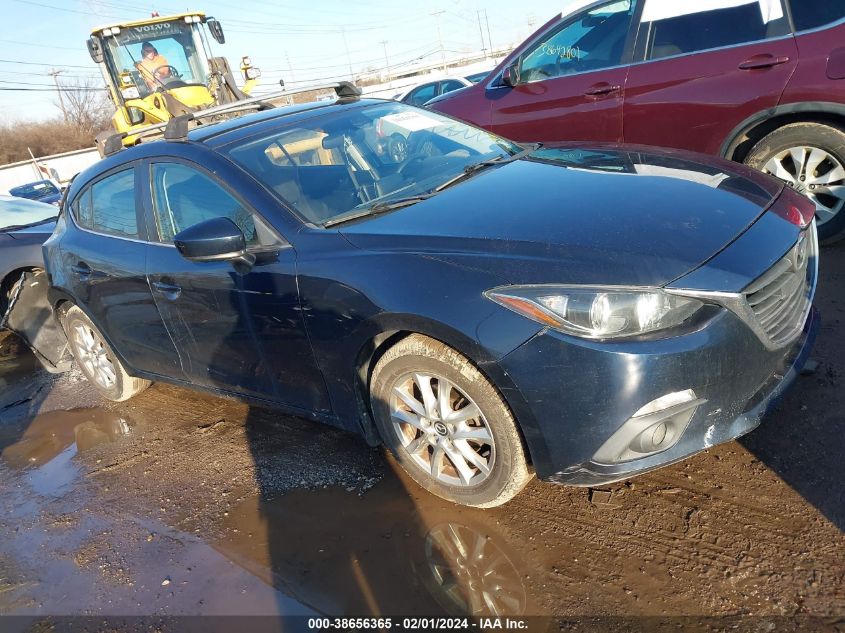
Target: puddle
[(383, 553), (51, 440)]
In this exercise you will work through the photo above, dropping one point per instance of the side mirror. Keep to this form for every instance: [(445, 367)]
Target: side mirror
[(215, 240), (216, 30), (95, 50), (510, 75)]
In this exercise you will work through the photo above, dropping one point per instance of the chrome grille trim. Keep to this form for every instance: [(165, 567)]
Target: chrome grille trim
[(775, 306), (780, 300)]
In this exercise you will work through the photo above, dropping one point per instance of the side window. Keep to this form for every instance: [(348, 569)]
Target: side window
[(679, 28), (112, 205), (449, 86), (592, 41), (184, 197), (82, 210), (811, 14), (422, 95)]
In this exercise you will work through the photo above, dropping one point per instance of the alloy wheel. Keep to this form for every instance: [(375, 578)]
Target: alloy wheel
[(815, 173), (93, 357), (442, 429)]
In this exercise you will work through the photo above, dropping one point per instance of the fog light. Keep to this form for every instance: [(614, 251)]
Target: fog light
[(656, 427)]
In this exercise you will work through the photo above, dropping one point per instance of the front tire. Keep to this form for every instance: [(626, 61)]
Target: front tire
[(810, 158), (97, 360), (446, 425)]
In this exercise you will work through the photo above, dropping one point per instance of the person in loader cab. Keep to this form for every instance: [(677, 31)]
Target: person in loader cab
[(153, 66)]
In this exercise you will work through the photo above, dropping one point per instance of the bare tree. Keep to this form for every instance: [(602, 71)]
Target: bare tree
[(86, 105)]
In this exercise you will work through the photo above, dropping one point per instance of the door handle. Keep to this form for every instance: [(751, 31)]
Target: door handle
[(602, 89), (759, 62), (170, 291)]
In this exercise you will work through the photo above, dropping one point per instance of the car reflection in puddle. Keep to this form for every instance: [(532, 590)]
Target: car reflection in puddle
[(387, 552), (51, 440)]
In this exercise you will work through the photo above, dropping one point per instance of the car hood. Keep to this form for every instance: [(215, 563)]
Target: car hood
[(576, 214)]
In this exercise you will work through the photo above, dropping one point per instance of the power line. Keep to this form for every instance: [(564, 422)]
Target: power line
[(24, 63)]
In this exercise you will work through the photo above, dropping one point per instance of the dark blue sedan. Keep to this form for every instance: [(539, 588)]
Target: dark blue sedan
[(485, 310), (40, 190)]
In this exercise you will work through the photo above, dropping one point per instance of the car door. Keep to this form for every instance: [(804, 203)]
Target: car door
[(105, 264), (569, 81), (238, 330), (706, 67)]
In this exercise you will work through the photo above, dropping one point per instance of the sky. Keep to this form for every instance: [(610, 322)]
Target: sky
[(299, 41)]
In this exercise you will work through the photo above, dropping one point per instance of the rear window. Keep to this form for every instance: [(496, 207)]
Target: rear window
[(811, 14), (108, 206), (681, 28)]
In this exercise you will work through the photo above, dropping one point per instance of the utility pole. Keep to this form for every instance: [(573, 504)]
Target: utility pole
[(437, 15), (386, 61), (290, 68), (481, 32), (348, 58), (55, 75), (489, 39)]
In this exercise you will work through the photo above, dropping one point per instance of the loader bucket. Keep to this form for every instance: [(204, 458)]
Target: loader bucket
[(31, 317)]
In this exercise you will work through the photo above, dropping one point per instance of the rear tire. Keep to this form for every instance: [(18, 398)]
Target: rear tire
[(97, 360), (446, 425), (809, 157)]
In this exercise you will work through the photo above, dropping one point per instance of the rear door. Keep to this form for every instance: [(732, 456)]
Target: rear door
[(705, 67), (105, 264), (571, 79)]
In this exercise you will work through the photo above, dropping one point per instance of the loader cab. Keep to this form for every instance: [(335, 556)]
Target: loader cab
[(180, 44), (163, 67)]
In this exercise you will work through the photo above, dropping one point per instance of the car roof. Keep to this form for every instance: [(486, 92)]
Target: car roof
[(215, 134)]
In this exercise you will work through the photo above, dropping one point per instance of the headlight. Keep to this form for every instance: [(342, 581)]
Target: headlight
[(598, 313)]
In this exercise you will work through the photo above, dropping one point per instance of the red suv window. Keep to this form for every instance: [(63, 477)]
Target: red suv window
[(688, 29), (811, 14)]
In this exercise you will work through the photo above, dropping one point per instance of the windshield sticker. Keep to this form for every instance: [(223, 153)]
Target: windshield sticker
[(561, 52), (655, 10), (412, 121)]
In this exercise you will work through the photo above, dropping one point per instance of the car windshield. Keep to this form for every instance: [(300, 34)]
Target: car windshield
[(35, 190), (366, 158), (19, 212)]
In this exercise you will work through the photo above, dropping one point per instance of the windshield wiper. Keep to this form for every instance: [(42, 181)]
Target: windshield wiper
[(377, 208), (469, 170), (20, 227)]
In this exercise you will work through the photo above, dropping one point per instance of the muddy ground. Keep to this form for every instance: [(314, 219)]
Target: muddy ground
[(181, 503)]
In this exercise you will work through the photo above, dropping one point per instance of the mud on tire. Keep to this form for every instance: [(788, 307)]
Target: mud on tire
[(421, 394), (97, 360)]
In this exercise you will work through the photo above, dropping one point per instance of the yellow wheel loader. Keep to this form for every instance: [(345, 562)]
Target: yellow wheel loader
[(161, 68)]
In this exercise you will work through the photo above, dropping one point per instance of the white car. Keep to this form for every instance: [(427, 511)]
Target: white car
[(421, 94)]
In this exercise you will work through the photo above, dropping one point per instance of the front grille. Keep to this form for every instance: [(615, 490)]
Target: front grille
[(780, 299)]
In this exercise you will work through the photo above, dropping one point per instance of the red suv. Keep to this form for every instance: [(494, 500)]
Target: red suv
[(756, 81)]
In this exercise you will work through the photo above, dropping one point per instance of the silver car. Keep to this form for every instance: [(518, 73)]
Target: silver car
[(24, 226)]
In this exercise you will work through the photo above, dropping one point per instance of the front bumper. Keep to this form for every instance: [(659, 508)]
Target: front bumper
[(577, 394)]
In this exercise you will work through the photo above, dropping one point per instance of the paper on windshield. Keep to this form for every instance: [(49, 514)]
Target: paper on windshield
[(412, 121), (655, 10)]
